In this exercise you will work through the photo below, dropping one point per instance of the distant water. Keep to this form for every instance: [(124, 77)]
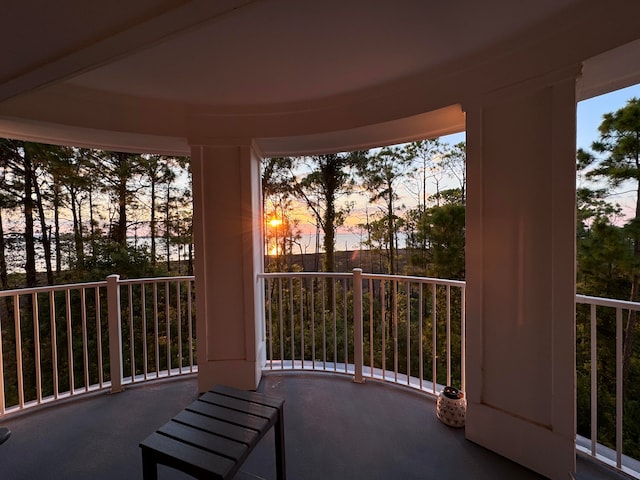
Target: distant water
[(16, 254), (345, 241)]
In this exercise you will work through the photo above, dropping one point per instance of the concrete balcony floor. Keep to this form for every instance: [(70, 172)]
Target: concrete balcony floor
[(334, 429)]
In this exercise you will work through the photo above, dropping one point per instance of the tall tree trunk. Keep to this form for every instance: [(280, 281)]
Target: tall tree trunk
[(121, 227), (4, 276), (329, 237), (56, 223), (77, 232), (29, 239), (92, 225), (152, 222), (167, 228), (46, 239), (392, 234)]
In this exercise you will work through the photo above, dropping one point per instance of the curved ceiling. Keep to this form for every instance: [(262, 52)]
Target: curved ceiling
[(292, 76), (288, 51)]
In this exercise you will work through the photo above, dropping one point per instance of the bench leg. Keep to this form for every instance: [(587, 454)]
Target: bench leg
[(281, 466), (149, 467)]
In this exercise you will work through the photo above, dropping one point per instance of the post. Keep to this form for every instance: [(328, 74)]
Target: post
[(115, 332), (357, 325)]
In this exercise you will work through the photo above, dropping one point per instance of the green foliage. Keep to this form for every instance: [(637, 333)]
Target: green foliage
[(608, 258)]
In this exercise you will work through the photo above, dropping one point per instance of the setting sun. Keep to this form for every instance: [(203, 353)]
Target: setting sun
[(274, 222)]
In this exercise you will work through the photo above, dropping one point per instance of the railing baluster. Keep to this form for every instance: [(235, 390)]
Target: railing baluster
[(281, 323), (156, 329), (463, 339), (383, 318), (190, 328), (619, 386), (448, 292), (36, 345), (292, 323), (18, 335), (358, 353), (85, 340), (67, 296), (179, 322), (345, 323), (312, 312), (324, 324), (167, 318), (145, 347), (96, 296), (434, 339), (301, 280), (395, 330), (335, 325), (408, 320), (594, 380), (132, 358), (371, 329), (420, 344), (268, 285), (115, 332)]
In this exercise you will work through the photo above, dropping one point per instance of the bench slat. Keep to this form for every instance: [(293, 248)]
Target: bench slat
[(254, 397), (239, 404), (192, 460), (228, 430), (231, 416), (208, 441)]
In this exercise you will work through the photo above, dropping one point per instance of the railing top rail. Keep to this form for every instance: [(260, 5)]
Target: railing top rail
[(102, 283), (372, 276), (183, 278), (51, 288), (607, 302), (414, 279), (304, 274)]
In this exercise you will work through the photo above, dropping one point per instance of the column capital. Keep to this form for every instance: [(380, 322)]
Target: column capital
[(522, 88)]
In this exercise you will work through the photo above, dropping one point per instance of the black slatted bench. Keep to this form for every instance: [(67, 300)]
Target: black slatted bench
[(213, 436)]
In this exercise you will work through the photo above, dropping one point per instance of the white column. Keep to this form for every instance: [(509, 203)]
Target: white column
[(521, 274), (229, 254)]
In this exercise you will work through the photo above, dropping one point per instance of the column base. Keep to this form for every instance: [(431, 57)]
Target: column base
[(241, 374)]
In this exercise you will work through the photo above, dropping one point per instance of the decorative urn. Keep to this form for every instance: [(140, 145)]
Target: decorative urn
[(451, 408)]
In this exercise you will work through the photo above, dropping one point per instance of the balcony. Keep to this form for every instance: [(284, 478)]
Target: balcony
[(139, 334)]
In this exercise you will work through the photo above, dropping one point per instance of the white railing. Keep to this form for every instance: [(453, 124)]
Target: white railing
[(65, 340), (401, 329), (600, 356), (343, 322)]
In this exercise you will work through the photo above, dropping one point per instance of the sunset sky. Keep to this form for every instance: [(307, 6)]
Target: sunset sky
[(589, 117)]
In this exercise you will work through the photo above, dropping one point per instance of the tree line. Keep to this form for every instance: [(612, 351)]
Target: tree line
[(78, 214), (385, 181)]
